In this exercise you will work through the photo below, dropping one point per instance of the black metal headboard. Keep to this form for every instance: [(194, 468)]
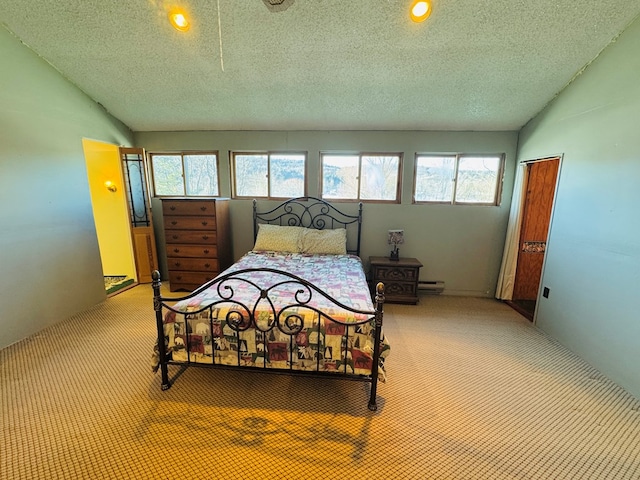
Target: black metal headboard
[(311, 212)]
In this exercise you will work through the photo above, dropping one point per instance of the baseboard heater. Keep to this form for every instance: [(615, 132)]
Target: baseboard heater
[(431, 287)]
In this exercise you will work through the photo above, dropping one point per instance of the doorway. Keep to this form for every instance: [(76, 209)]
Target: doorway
[(540, 186), (122, 212), (110, 215)]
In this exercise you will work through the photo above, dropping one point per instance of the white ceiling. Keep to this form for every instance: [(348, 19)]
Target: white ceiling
[(320, 64)]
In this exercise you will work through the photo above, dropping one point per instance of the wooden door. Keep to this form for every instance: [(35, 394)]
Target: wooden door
[(541, 185), (139, 207)]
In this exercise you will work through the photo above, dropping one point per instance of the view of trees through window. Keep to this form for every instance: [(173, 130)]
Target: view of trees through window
[(360, 177), (451, 179), (455, 179), (278, 175), (185, 174)]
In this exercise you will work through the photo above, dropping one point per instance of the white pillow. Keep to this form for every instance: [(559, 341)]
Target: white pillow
[(324, 241), (277, 238)]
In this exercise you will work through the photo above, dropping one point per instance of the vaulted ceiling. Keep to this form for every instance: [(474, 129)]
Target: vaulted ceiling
[(320, 64)]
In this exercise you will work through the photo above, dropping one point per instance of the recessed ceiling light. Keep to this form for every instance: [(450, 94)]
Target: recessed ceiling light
[(178, 19), (420, 11)]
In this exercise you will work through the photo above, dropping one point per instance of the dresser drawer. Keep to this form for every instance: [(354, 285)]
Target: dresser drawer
[(195, 208), (189, 223), (194, 264), (193, 251), (398, 274), (186, 236), (189, 280)]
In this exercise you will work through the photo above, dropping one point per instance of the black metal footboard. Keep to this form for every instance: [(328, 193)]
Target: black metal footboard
[(285, 308)]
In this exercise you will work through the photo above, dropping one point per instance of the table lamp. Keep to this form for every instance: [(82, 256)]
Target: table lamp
[(396, 237)]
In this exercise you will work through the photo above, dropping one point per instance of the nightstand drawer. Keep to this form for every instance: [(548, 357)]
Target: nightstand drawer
[(393, 289), (398, 274)]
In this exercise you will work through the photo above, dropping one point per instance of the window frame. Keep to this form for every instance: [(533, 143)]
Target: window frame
[(398, 196), (268, 153), (498, 186), (182, 154)]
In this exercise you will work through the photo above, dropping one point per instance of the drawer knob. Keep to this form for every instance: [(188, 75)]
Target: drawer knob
[(175, 237), (177, 264), (179, 277), (203, 208), (206, 250), (207, 265), (174, 222), (176, 250), (204, 222), (172, 207), (205, 237)]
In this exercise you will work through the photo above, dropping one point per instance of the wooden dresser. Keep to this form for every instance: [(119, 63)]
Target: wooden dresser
[(197, 236), (400, 278)]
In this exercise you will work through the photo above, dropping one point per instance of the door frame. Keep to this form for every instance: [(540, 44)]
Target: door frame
[(506, 278)]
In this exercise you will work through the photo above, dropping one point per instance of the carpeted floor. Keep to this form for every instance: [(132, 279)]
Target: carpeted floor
[(474, 392)]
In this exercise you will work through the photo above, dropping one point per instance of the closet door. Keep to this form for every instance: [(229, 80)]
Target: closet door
[(541, 184), (139, 206)]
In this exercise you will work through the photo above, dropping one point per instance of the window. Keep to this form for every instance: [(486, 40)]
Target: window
[(268, 174), (190, 174), (363, 176), (458, 179)]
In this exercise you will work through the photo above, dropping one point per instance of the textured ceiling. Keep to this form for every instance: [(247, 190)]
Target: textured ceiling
[(320, 64)]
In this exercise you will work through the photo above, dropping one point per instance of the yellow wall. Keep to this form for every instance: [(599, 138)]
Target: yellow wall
[(109, 208)]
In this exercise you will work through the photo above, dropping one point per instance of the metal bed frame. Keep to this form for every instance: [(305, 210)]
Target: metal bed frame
[(314, 213), (307, 212)]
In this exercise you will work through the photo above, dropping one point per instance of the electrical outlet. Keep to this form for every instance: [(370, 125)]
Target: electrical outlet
[(545, 292)]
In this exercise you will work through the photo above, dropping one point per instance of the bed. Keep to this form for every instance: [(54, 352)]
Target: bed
[(298, 303)]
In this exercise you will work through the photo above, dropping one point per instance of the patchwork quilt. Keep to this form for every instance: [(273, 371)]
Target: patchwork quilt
[(282, 329)]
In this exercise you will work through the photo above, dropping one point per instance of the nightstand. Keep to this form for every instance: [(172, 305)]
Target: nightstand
[(400, 278)]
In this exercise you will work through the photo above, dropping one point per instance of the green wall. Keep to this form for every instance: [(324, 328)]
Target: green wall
[(49, 254), (460, 245), (593, 259)]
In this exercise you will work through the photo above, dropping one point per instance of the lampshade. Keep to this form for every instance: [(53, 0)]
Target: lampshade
[(396, 237)]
